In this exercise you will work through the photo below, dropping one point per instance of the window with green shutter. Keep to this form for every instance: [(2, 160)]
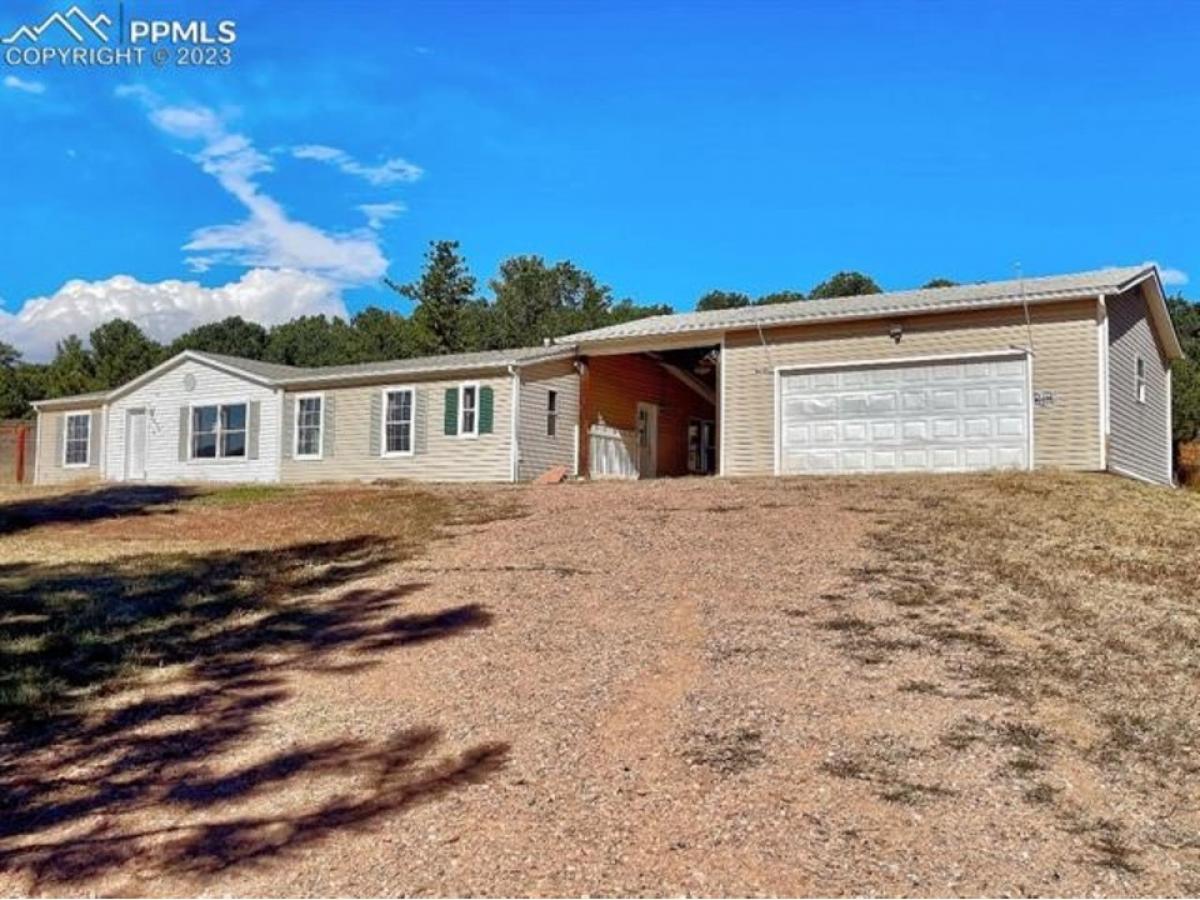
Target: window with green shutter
[(451, 418), (486, 403)]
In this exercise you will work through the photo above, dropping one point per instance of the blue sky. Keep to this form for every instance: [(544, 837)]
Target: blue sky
[(670, 148)]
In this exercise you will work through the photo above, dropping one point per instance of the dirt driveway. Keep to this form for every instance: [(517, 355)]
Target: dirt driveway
[(691, 687)]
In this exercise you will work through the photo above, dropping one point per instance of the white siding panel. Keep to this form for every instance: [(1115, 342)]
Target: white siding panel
[(162, 399), (437, 456), (1140, 439), (1066, 367), (538, 450)]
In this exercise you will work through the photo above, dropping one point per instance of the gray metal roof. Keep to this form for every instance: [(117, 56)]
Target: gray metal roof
[(927, 300), (417, 365), (279, 375)]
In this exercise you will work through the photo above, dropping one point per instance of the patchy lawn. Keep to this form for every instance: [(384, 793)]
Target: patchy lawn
[(898, 685)]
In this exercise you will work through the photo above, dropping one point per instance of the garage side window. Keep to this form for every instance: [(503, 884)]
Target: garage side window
[(219, 431), (1139, 379), (308, 427), (78, 437), (551, 413)]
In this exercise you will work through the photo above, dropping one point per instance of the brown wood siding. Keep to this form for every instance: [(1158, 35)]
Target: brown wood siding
[(1066, 362), (50, 469), (438, 456), (1139, 433), (537, 450), (619, 383)]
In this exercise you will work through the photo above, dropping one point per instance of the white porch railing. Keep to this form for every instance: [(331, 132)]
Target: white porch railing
[(612, 452)]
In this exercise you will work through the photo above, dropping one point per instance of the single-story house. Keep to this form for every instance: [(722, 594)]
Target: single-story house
[(1069, 371)]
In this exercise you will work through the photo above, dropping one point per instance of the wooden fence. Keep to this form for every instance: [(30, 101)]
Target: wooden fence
[(17, 442)]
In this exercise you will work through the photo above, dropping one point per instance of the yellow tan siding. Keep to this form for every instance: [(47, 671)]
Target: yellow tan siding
[(1066, 361), (1140, 429), (437, 456), (539, 451), (49, 468)]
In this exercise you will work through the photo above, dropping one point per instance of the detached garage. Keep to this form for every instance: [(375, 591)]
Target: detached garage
[(1066, 371)]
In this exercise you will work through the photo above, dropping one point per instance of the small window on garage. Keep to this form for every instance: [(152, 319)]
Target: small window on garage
[(1139, 379), (551, 413)]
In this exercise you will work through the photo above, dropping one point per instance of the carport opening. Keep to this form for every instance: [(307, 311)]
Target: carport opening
[(650, 414)]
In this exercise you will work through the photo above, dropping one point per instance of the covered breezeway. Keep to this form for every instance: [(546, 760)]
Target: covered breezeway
[(649, 414)]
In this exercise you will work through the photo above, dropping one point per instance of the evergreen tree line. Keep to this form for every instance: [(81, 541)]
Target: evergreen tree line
[(531, 300)]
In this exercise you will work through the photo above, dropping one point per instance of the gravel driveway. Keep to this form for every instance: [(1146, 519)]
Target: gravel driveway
[(657, 699)]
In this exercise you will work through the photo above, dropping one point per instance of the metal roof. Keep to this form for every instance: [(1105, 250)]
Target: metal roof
[(926, 300), (279, 375)]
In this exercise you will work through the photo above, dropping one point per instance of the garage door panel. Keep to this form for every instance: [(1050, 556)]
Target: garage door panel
[(955, 415)]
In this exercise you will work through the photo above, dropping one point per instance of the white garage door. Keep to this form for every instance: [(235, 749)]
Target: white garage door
[(946, 416)]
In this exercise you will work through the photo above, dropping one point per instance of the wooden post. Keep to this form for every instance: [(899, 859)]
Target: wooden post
[(585, 414), (22, 432)]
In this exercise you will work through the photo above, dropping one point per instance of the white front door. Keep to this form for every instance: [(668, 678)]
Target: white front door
[(135, 453), (950, 415), (647, 437)]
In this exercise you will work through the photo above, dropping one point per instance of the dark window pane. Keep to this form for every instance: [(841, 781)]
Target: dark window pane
[(204, 445), (204, 418), (233, 443), (233, 418)]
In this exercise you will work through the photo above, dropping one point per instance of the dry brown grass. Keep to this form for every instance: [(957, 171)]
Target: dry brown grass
[(1076, 598)]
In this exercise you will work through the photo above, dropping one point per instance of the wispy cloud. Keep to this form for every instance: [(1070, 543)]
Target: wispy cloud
[(12, 82), (268, 238), (390, 171), (1170, 277), (378, 213)]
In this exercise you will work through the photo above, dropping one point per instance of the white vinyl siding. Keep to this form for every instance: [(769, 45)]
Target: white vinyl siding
[(1066, 424), (354, 455), (50, 449), (164, 396), (538, 449), (1139, 441)]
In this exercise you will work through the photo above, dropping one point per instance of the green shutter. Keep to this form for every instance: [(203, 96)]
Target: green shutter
[(451, 411), (485, 410)]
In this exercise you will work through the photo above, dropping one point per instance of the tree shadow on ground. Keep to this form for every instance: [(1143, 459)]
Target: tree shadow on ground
[(126, 689), (78, 507)]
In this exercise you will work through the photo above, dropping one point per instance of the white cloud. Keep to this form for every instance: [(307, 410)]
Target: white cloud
[(1170, 277), (390, 171), (165, 309), (20, 84), (268, 238), (378, 213)]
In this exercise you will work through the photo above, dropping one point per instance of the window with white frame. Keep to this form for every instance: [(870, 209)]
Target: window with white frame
[(219, 431), (1139, 379), (77, 439), (551, 413), (309, 422), (398, 422), (468, 409)]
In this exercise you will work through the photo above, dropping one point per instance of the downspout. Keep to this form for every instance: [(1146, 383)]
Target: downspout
[(1102, 363), (514, 460), (37, 449)]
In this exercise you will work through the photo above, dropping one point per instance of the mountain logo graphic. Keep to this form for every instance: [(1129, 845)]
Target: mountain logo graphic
[(75, 22)]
